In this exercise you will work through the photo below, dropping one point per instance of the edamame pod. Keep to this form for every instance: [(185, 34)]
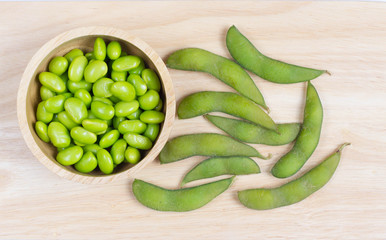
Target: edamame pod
[(76, 68), (70, 156), (294, 191), (218, 166), (243, 51), (114, 50), (307, 139), (76, 109), (151, 79), (180, 200), (59, 135), (200, 103), (126, 63), (100, 49), (95, 70), (87, 163), (58, 65), (252, 133), (229, 72), (138, 141), (205, 144), (42, 131), (52, 81), (83, 136)]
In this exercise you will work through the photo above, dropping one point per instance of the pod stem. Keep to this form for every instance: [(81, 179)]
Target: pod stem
[(327, 72), (343, 146)]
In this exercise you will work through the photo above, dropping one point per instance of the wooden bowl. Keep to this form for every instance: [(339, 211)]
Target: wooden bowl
[(29, 97)]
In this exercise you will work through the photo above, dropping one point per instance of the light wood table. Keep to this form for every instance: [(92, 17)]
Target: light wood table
[(347, 38)]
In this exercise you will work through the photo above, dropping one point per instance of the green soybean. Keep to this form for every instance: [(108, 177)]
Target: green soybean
[(105, 161), (58, 65), (70, 156), (205, 144), (66, 120), (152, 117), (90, 56), (138, 83), (42, 114), (200, 103), (46, 93), (218, 166), (126, 63), (75, 86), (91, 148), (229, 72), (114, 50), (152, 131), (84, 96), (135, 115), (87, 163), (109, 138), (96, 126), (59, 135), (100, 49), (76, 68), (71, 55), (102, 110), (42, 131), (52, 81), (102, 87), (95, 70), (117, 121), (102, 99), (118, 76), (76, 109), (138, 70), (294, 191), (138, 141), (123, 90), (151, 79), (123, 109), (307, 139), (55, 104), (252, 133), (132, 155), (149, 100), (180, 200), (83, 136), (118, 151), (159, 105), (132, 126), (243, 51)]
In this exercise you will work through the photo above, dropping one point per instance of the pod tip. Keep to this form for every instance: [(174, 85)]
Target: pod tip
[(327, 72), (343, 146)]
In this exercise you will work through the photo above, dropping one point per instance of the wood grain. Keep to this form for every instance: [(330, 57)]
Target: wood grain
[(346, 38)]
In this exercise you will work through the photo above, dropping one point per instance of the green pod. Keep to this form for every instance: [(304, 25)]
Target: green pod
[(75, 86), (118, 151), (149, 100), (180, 200), (152, 131), (114, 50), (92, 148), (102, 110), (151, 79), (109, 138), (87, 163), (131, 126), (135, 115), (102, 99), (229, 72), (117, 121), (218, 166), (84, 96), (83, 136), (96, 126), (123, 90), (138, 141), (118, 76), (123, 109), (294, 191), (76, 68), (100, 49), (243, 51), (42, 114), (159, 106), (65, 119), (200, 103), (306, 141), (74, 53), (58, 65), (102, 87), (126, 63), (42, 131), (132, 155), (46, 93), (76, 109), (138, 70), (70, 156), (52, 81), (152, 117), (55, 104), (105, 161), (138, 83), (59, 135), (95, 70), (205, 144), (252, 133)]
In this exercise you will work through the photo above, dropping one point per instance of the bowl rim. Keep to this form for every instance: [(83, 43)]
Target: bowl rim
[(57, 41)]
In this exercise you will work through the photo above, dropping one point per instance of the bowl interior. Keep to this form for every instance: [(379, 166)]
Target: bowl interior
[(86, 43)]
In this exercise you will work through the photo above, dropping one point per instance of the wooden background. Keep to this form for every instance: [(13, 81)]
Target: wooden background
[(348, 39)]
